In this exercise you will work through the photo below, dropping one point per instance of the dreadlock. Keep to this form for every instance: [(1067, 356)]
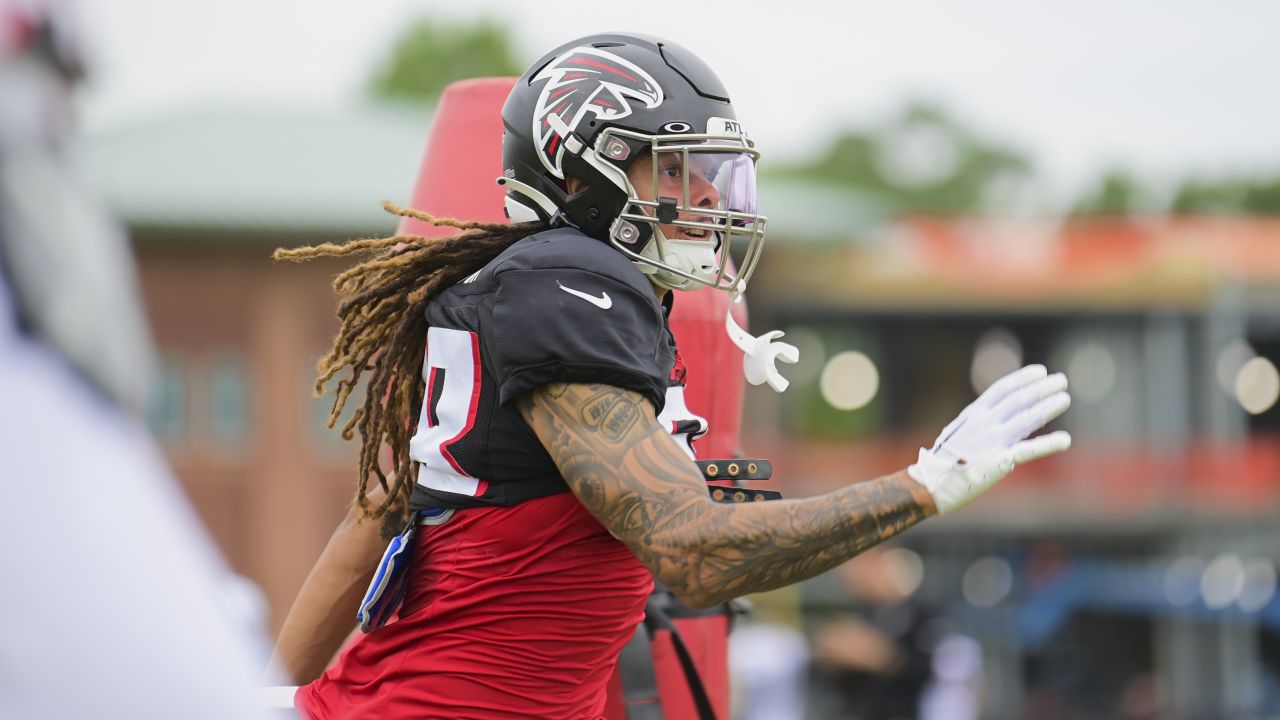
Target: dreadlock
[(384, 331)]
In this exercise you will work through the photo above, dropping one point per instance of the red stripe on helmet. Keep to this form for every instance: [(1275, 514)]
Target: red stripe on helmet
[(604, 66)]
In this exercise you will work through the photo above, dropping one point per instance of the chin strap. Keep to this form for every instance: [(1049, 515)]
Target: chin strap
[(760, 353)]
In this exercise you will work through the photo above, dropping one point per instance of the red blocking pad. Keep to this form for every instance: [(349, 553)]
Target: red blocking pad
[(463, 158)]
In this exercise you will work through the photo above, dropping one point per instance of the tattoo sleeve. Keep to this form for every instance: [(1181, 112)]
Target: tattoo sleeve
[(635, 479)]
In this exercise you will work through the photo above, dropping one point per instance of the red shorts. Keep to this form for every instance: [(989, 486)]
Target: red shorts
[(509, 612)]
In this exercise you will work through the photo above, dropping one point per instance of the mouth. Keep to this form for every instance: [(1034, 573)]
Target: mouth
[(698, 234)]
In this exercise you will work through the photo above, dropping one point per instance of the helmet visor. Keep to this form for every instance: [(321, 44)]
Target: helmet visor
[(736, 180), (704, 188)]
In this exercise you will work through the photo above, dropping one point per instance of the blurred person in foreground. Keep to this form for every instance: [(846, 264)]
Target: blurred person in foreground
[(114, 600), (541, 454)]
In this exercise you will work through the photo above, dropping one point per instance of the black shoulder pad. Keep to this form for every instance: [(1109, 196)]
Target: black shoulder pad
[(568, 308), (567, 248)]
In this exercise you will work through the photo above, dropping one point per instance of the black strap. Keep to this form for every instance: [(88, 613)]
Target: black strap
[(656, 618), (639, 681)]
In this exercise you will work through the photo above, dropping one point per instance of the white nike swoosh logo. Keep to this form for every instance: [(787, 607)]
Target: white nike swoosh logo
[(603, 302)]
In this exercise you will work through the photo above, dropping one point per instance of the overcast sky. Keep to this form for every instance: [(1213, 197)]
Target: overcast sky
[(1163, 86)]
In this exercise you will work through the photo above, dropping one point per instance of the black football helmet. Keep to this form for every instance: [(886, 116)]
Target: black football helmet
[(602, 110)]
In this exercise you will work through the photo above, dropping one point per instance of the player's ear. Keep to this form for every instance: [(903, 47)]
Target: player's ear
[(572, 184)]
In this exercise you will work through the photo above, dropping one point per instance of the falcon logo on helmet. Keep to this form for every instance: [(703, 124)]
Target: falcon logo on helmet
[(582, 80)]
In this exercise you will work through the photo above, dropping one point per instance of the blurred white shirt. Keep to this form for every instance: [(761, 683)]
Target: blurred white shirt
[(110, 589), (955, 690), (769, 668)]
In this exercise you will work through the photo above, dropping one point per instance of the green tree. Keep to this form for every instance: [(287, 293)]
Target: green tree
[(1117, 193), (1228, 196), (923, 160), (1263, 197), (430, 54)]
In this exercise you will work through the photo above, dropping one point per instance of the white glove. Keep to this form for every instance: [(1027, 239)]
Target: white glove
[(988, 438)]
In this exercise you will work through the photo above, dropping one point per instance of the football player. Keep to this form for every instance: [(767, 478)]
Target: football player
[(541, 470)]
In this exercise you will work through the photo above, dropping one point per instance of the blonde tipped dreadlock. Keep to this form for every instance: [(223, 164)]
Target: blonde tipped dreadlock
[(384, 330)]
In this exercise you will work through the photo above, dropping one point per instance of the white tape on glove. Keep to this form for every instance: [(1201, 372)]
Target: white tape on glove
[(990, 437)]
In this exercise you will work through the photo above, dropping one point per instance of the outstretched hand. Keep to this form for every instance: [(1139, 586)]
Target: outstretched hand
[(990, 437)]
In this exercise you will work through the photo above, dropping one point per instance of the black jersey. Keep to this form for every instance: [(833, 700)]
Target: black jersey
[(557, 306)]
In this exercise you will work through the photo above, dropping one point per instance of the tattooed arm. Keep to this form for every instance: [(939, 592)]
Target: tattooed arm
[(640, 485)]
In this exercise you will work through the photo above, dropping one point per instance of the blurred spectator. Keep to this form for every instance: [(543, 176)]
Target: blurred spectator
[(871, 653), (955, 690), (114, 598), (768, 663), (769, 659)]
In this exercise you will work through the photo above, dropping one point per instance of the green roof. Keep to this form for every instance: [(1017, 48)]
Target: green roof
[(260, 170)]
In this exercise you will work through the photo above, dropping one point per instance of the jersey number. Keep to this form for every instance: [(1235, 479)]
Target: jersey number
[(451, 370)]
